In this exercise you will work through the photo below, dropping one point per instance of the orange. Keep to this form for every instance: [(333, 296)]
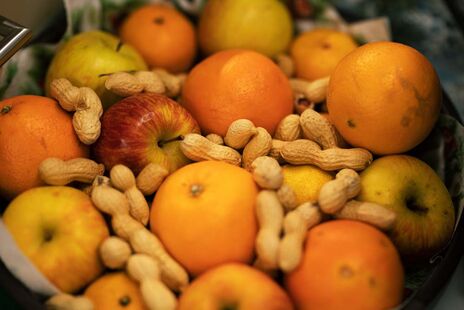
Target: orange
[(204, 214), (234, 286), (115, 291), (32, 128), (384, 97), (317, 52), (162, 35), (235, 84), (347, 265)]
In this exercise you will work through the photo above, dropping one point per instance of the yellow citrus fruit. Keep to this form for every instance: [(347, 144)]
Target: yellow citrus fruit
[(317, 52), (306, 181)]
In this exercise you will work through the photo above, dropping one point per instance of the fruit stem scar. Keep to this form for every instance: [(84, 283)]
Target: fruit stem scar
[(48, 235), (124, 301), (346, 271), (6, 109), (196, 190), (159, 20), (229, 306), (351, 123)]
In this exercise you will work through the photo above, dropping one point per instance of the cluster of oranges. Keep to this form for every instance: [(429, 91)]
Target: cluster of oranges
[(237, 84)]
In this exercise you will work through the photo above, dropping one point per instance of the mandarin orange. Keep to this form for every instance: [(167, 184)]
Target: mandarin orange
[(347, 265), (384, 97), (162, 35), (33, 128), (317, 52), (235, 84), (115, 291), (204, 214)]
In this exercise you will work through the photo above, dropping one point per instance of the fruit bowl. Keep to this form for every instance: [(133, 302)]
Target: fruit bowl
[(441, 151)]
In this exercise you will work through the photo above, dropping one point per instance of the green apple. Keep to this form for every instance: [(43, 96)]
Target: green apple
[(60, 231), (261, 25), (422, 203), (88, 57)]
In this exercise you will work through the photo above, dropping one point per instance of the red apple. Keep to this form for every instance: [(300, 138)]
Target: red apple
[(141, 129)]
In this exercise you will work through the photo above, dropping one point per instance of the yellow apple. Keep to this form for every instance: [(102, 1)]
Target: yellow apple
[(234, 286), (87, 58), (59, 230), (261, 25), (422, 203)]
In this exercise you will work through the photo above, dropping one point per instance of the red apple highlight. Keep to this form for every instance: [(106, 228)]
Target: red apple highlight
[(141, 129)]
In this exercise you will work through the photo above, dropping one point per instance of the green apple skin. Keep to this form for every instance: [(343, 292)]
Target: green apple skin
[(59, 229), (425, 215), (261, 25), (85, 59)]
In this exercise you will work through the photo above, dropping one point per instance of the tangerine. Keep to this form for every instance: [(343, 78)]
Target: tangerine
[(384, 97), (347, 265), (204, 214), (162, 35), (235, 84), (317, 52), (33, 128), (115, 291)]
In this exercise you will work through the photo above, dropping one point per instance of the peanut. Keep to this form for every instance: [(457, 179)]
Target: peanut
[(285, 63), (239, 133), (334, 194), (123, 179), (172, 82), (172, 274), (287, 197), (368, 212), (277, 145), (198, 148), (115, 252), (88, 107), (125, 84), (157, 81), (307, 152), (55, 171), (296, 224), (315, 91), (217, 139), (318, 129), (270, 216), (267, 172), (259, 145), (115, 203), (288, 128), (63, 301), (150, 178), (144, 269)]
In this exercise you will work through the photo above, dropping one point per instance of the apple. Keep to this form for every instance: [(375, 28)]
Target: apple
[(234, 286), (424, 209), (59, 230), (88, 57), (262, 25), (141, 129)]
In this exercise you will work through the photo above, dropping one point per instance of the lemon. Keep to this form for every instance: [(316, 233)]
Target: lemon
[(306, 181)]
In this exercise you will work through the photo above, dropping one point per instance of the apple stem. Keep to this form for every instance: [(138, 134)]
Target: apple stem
[(118, 47), (179, 138), (6, 109)]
